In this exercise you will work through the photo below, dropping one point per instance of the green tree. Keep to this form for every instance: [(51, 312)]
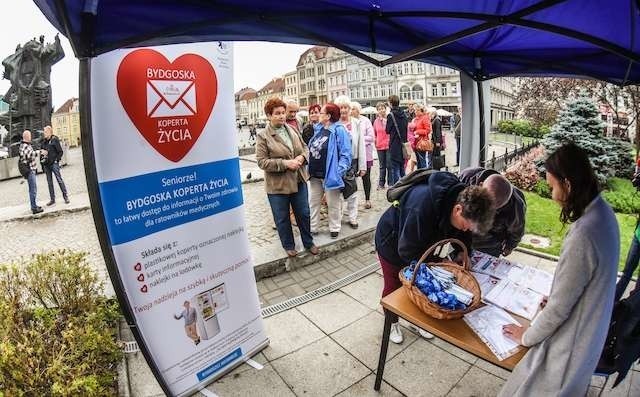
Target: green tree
[(579, 122)]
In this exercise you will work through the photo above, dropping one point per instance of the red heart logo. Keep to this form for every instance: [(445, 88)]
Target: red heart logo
[(137, 267), (144, 288), (168, 102), (141, 277)]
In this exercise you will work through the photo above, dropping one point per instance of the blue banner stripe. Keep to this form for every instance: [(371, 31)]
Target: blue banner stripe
[(141, 205), (220, 364)]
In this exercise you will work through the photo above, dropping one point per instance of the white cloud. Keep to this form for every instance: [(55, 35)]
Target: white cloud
[(255, 62)]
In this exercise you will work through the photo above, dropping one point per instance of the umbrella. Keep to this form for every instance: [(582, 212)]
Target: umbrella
[(444, 113), (369, 110)]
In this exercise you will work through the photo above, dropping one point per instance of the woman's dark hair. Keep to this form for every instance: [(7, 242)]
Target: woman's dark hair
[(571, 163), (316, 107), (478, 207), (273, 103), (394, 101), (333, 111)]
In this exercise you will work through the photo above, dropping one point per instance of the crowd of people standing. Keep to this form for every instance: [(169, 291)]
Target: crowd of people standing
[(321, 162)]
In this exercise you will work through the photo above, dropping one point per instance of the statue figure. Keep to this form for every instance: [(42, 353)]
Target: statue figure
[(29, 70)]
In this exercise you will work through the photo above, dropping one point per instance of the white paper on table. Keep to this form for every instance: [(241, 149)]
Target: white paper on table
[(515, 298), (490, 265), (532, 278), (487, 323), (485, 281)]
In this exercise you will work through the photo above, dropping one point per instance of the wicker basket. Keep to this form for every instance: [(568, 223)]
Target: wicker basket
[(463, 278)]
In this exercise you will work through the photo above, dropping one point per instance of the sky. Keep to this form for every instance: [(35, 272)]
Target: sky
[(23, 21)]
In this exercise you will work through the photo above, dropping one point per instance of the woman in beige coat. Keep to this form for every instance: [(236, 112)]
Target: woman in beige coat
[(566, 338), (282, 154)]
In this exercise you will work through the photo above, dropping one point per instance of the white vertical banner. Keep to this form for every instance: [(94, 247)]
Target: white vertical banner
[(166, 157)]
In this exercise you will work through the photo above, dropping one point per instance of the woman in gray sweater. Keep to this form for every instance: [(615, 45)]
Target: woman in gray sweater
[(566, 338)]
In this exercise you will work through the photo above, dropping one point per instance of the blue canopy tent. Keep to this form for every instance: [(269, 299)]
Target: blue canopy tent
[(483, 39)]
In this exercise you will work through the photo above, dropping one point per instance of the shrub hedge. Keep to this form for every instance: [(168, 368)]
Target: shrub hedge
[(57, 331)]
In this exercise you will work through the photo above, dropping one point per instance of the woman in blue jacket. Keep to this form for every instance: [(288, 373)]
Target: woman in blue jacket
[(329, 160)]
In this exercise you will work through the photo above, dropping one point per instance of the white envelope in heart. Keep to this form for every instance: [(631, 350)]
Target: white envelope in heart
[(171, 98)]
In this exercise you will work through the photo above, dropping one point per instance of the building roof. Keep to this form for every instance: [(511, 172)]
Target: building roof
[(248, 95), (274, 86), (66, 107), (319, 52)]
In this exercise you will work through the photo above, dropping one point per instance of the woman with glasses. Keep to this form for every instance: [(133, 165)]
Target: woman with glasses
[(314, 118), (329, 160)]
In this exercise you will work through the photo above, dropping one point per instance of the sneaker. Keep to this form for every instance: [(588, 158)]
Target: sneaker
[(37, 210), (50, 203), (67, 201), (334, 234), (314, 250), (395, 335), (423, 333), (354, 225)]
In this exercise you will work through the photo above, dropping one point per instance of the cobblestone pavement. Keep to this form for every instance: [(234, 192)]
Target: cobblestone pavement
[(77, 231), (15, 191)]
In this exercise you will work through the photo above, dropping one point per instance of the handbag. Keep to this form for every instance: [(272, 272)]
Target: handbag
[(350, 185), (406, 146), (438, 162), (424, 145)]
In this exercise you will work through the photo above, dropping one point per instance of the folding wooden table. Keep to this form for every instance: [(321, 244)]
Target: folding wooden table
[(456, 332)]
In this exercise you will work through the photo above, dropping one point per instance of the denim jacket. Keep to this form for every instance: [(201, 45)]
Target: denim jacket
[(338, 154)]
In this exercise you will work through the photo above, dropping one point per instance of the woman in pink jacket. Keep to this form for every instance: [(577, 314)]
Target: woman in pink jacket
[(382, 144)]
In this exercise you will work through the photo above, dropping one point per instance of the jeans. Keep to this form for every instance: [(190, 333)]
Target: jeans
[(55, 170), (33, 189), (299, 202), (384, 158), (423, 159), (633, 257), (397, 172)]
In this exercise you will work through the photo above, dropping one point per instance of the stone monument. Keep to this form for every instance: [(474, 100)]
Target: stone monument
[(29, 97)]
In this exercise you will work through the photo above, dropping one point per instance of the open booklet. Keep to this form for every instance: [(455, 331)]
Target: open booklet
[(515, 298), (500, 268), (487, 323)]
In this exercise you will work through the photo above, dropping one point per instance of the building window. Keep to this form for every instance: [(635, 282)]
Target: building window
[(434, 90), (405, 93), (443, 89), (302, 75), (370, 92), (454, 89), (420, 67), (417, 93)]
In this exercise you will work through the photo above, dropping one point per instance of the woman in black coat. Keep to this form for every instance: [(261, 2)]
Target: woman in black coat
[(436, 135)]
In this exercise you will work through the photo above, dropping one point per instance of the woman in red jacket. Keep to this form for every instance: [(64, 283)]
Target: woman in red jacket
[(422, 133)]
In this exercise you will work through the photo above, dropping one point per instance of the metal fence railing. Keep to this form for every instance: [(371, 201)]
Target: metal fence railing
[(501, 163)]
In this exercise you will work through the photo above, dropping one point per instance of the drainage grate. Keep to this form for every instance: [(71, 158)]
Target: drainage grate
[(309, 296), (130, 347)]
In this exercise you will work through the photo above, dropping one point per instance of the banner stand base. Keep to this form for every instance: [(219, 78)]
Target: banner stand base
[(254, 364), (208, 393)]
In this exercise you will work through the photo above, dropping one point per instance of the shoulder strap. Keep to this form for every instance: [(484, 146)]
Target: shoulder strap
[(395, 124), (419, 176)]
